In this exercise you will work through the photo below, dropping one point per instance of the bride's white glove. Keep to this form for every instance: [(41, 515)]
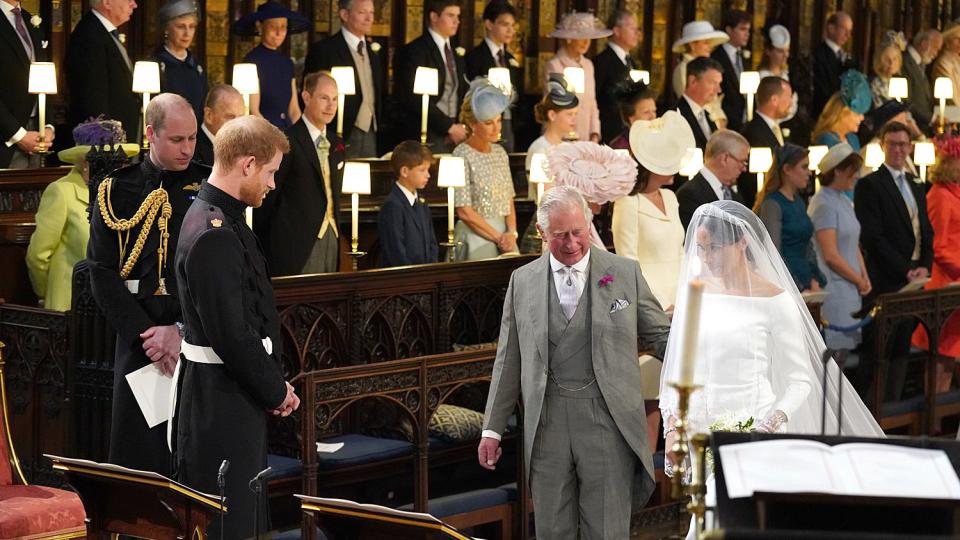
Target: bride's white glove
[(772, 422)]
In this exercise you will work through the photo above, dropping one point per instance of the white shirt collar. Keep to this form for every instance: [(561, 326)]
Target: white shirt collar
[(620, 52), (713, 181), (915, 55), (580, 266), (209, 133), (313, 130), (833, 46), (693, 106), (894, 172), (103, 20), (495, 49), (411, 195), (731, 52), (351, 39), (7, 8), (439, 40), (770, 121)]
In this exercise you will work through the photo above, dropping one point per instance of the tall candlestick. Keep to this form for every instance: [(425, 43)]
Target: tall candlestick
[(146, 101), (42, 106), (340, 99), (246, 104), (423, 119), (691, 331), (749, 107), (539, 193), (450, 211), (248, 216), (354, 220)]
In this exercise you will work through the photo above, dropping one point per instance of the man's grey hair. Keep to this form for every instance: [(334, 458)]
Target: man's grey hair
[(724, 141), (618, 16), (561, 197), (924, 36)]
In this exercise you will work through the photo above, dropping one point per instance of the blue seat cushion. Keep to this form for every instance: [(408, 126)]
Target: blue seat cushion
[(948, 398), (904, 406), (361, 449), (510, 489), (461, 503), (283, 467)]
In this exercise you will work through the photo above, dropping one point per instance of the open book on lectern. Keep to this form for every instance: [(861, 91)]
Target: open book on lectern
[(857, 469)]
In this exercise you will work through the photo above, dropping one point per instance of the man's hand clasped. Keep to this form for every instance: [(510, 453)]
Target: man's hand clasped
[(290, 403), (162, 346)]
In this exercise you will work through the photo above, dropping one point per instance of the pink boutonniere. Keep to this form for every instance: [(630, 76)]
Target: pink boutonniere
[(339, 148), (605, 280)]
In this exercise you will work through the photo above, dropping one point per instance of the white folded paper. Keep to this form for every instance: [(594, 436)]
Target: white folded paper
[(860, 469), (151, 388), (328, 448)]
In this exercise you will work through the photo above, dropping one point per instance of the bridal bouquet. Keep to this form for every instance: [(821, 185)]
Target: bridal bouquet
[(727, 423)]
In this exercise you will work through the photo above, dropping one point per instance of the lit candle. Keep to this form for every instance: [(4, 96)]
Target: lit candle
[(356, 182), (248, 216), (355, 220), (691, 331)]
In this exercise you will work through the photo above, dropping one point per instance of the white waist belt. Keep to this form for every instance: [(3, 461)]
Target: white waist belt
[(133, 285), (206, 355)]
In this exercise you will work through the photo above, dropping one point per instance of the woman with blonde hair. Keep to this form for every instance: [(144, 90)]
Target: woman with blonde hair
[(948, 63), (844, 111), (887, 62), (784, 213)]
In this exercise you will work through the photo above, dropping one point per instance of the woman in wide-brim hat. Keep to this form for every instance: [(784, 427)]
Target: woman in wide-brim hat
[(776, 53), (698, 39), (575, 31), (60, 240), (180, 70), (948, 63), (277, 100)]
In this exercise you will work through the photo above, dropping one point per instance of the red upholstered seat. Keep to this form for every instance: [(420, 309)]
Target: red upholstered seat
[(30, 512)]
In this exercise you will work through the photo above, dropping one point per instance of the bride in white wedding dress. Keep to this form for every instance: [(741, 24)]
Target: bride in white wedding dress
[(758, 351)]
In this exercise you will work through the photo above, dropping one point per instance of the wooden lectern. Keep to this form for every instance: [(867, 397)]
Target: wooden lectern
[(347, 520), (822, 515), (137, 503)]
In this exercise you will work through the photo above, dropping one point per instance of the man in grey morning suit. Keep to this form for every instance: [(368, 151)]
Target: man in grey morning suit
[(568, 343)]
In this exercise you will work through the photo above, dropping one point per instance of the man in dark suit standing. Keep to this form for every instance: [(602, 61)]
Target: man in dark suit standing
[(703, 84), (499, 22), (224, 103), (731, 56), (362, 112), (298, 222), (20, 45), (897, 241), (98, 69), (830, 60), (434, 49), (612, 66), (404, 222), (774, 98), (724, 159), (924, 49)]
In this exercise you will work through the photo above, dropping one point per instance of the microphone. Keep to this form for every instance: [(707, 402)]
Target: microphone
[(256, 486), (224, 467), (259, 477), (221, 483)]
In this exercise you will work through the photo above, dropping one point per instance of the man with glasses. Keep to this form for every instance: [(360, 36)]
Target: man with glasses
[(724, 159), (897, 242)]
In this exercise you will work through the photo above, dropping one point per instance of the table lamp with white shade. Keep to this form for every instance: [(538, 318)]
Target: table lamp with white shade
[(873, 156), (42, 80), (749, 82), (575, 78), (816, 154), (346, 86), (638, 75), (898, 89), (538, 173), (761, 159), (146, 81), (500, 77), (691, 163), (426, 82), (452, 174), (247, 82), (943, 90), (924, 155), (356, 182)]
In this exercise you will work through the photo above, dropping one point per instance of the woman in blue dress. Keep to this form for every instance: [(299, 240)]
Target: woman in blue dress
[(277, 100), (180, 71), (784, 213)]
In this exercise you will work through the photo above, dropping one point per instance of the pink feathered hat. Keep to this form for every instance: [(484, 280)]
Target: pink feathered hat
[(601, 173)]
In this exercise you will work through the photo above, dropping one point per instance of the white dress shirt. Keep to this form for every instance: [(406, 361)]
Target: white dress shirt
[(441, 42), (211, 136), (713, 181), (410, 195), (618, 50), (733, 54)]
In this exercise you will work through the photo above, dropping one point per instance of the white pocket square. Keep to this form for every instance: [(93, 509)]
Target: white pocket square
[(618, 305)]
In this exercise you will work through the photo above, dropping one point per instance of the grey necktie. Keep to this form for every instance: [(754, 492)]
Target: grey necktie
[(704, 124), (727, 194), (568, 291), (123, 50), (907, 194)]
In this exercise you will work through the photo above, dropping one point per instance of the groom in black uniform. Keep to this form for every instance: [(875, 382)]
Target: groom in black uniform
[(229, 377)]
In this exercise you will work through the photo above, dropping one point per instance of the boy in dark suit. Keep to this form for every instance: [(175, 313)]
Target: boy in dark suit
[(406, 228)]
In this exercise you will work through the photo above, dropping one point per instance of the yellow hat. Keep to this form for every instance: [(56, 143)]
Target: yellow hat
[(78, 153)]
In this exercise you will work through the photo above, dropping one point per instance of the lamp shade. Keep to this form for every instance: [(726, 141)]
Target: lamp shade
[(346, 84), (356, 177), (245, 78), (452, 172), (873, 156), (146, 77), (816, 156), (42, 78), (943, 88), (538, 168), (691, 163), (500, 77), (637, 75), (898, 88), (574, 77), (426, 81), (924, 154), (749, 82), (761, 159)]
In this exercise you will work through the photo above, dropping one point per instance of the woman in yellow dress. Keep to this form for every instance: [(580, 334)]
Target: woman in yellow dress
[(60, 239)]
